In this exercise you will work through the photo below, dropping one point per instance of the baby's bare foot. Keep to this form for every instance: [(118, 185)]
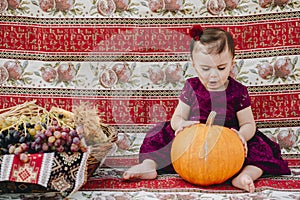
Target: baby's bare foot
[(244, 182), (145, 170)]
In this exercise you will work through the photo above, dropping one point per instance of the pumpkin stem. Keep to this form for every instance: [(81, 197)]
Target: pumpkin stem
[(210, 138), (210, 119)]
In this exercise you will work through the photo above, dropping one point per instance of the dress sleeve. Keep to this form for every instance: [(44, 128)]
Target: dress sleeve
[(244, 100), (186, 93)]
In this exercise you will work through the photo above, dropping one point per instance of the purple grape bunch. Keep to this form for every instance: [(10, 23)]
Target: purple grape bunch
[(40, 138)]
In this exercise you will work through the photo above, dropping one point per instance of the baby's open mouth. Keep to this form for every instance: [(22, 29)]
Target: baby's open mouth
[(212, 82)]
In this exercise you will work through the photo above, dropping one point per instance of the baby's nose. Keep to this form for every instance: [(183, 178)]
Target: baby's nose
[(214, 73)]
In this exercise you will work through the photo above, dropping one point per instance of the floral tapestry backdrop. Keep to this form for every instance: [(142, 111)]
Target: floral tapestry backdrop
[(130, 58)]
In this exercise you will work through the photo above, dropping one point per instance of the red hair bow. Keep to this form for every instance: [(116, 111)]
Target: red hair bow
[(196, 32)]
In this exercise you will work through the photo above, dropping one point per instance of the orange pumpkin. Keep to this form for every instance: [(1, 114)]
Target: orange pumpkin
[(206, 154)]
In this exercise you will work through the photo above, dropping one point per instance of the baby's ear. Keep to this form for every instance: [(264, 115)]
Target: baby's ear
[(192, 61), (232, 62)]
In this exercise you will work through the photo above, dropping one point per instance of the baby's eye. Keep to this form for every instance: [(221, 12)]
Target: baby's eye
[(205, 68), (221, 68)]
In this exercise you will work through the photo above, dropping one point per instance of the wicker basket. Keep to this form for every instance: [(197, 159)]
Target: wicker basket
[(30, 109), (101, 150)]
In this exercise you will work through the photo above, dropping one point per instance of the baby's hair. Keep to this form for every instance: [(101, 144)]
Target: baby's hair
[(215, 39)]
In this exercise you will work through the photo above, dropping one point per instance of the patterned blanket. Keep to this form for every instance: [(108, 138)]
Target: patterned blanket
[(106, 181), (130, 58), (60, 172)]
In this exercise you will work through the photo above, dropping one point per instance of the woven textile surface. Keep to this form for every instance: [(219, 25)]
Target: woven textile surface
[(130, 59)]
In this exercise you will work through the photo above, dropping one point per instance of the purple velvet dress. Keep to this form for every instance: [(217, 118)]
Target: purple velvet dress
[(262, 152)]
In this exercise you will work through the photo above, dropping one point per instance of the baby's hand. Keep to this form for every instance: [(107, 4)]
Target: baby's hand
[(185, 124), (243, 141)]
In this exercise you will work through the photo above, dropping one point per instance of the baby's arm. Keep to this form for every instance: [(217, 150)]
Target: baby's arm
[(247, 123), (180, 117)]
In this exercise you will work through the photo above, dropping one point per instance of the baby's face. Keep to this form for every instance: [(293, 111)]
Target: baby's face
[(212, 69)]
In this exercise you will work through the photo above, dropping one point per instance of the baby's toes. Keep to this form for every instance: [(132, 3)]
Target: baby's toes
[(251, 187), (248, 184)]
